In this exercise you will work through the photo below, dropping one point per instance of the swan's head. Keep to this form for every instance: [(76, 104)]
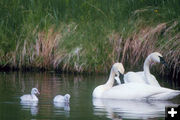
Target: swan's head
[(118, 69), (34, 91), (158, 58), (67, 97)]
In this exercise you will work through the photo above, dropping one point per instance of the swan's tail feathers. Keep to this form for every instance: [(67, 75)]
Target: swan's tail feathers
[(178, 91), (165, 95)]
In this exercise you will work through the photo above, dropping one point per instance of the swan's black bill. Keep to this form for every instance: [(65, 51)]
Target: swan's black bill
[(121, 77), (163, 61)]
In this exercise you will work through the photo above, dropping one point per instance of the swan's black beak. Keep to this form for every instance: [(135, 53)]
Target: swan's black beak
[(163, 61), (121, 77)]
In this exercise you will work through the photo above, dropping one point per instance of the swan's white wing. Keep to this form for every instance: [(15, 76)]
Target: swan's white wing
[(141, 74), (26, 98), (134, 91), (154, 82), (166, 95), (137, 77), (29, 97), (130, 91), (59, 98)]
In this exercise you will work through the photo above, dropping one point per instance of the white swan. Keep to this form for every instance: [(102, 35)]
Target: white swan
[(62, 99), (145, 76), (60, 102), (30, 97), (131, 90), (117, 68), (139, 91)]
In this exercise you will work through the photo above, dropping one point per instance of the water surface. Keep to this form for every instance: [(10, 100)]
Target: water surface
[(81, 107)]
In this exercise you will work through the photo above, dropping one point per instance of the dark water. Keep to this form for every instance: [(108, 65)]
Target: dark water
[(82, 107)]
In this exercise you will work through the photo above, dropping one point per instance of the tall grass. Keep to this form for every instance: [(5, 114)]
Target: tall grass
[(88, 35)]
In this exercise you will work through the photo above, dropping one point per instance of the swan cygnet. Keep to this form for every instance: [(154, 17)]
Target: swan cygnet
[(145, 76), (117, 69), (62, 99), (30, 97)]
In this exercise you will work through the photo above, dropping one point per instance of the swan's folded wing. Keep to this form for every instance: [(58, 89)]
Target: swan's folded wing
[(137, 77), (165, 95), (134, 91), (26, 97)]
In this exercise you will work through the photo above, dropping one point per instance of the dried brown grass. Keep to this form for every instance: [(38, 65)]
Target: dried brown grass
[(45, 46), (133, 50), (42, 53), (46, 51)]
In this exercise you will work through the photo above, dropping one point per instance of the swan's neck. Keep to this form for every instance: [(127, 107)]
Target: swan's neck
[(32, 93), (33, 96), (146, 70), (110, 81)]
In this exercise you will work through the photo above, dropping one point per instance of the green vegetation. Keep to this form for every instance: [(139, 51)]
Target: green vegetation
[(88, 35)]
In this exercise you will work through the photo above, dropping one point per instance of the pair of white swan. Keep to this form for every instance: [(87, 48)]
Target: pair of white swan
[(140, 85), (33, 98)]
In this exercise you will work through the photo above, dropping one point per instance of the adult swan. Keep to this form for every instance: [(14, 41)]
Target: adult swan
[(117, 69), (130, 90), (145, 76)]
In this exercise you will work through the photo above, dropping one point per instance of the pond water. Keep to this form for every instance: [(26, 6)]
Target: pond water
[(81, 107)]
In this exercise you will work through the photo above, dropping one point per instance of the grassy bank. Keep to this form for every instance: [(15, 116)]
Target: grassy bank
[(88, 35)]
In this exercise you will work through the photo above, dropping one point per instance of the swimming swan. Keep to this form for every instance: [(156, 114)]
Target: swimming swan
[(30, 97), (145, 76), (132, 90), (139, 91), (62, 99), (117, 69)]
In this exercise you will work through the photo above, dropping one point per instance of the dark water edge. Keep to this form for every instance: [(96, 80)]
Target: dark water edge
[(167, 75)]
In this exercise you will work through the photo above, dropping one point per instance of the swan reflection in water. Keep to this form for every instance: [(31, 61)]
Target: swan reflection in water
[(30, 105), (118, 109), (62, 108)]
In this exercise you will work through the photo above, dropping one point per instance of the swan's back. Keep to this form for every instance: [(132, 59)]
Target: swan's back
[(165, 96), (137, 77), (135, 91), (152, 80), (29, 98), (59, 98)]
